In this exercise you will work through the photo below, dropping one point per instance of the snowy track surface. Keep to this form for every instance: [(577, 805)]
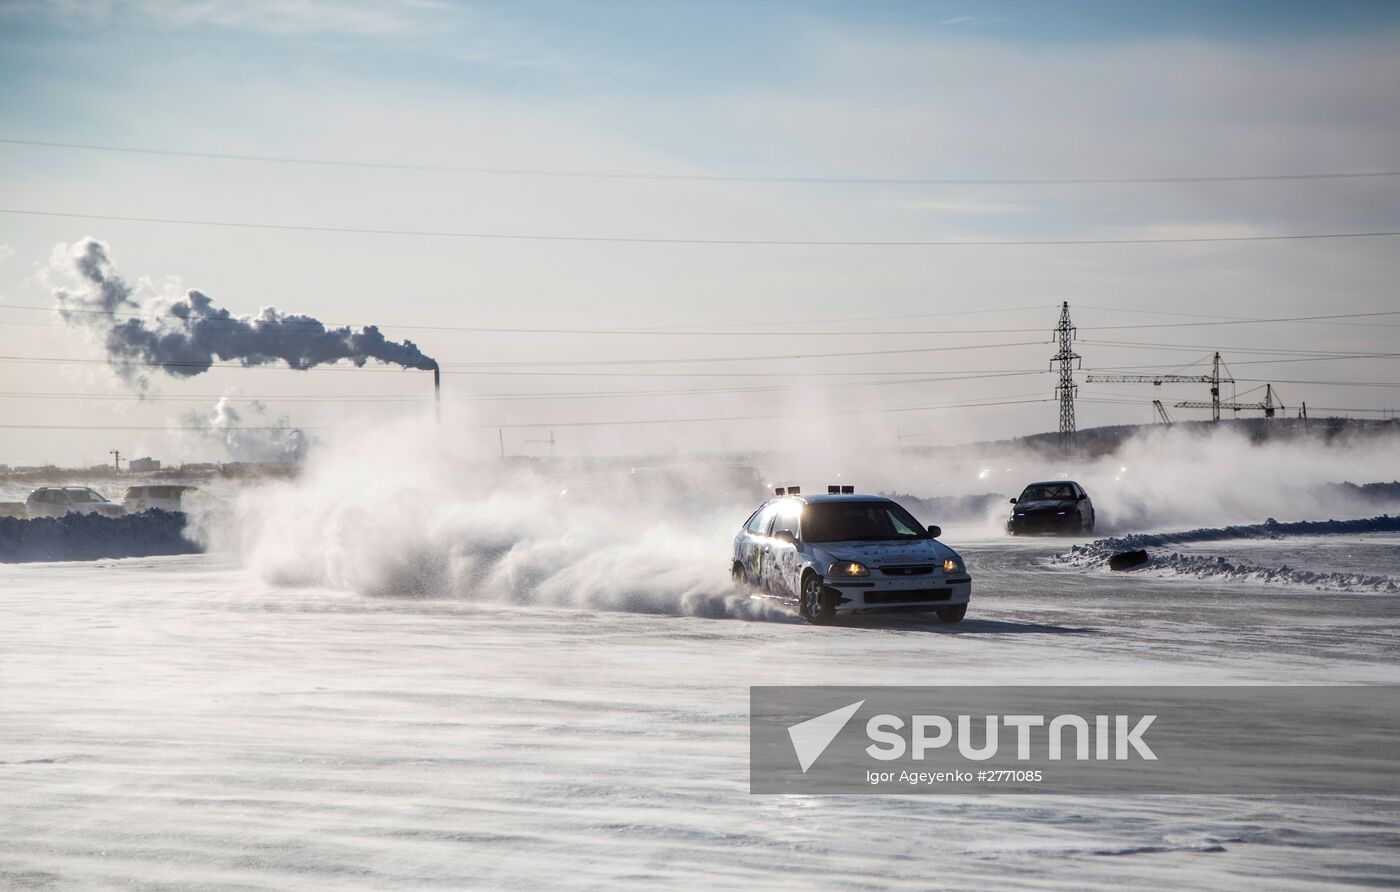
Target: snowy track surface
[(1325, 555), (173, 723)]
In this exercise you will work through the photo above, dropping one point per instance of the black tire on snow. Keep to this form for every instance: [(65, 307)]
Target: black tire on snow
[(951, 615), (813, 603)]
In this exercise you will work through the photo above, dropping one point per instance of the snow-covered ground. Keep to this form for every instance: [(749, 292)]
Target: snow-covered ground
[(177, 723), (1331, 555)]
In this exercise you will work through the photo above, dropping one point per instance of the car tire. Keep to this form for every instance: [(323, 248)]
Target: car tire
[(952, 615), (737, 574), (813, 603)]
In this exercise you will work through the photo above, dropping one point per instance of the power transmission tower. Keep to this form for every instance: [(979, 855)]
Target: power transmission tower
[(116, 459), (1066, 389)]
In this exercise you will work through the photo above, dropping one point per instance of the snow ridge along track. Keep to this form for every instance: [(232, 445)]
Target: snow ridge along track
[(1096, 554), (90, 537)]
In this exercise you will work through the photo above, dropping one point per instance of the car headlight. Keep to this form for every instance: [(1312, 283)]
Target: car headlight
[(953, 565), (849, 568)]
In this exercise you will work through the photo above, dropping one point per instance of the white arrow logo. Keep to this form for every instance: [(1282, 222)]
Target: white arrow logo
[(811, 738)]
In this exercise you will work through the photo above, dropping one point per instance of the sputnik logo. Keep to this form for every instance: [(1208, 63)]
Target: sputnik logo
[(811, 738)]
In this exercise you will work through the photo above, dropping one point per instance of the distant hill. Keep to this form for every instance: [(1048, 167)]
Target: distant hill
[(1095, 441)]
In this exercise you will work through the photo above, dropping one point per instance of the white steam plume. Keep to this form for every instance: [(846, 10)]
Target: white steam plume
[(262, 438), (187, 335)]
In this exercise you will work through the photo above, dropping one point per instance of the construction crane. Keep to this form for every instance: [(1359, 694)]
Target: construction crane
[(551, 441), (1214, 379), (1162, 411), (900, 436), (1268, 405)]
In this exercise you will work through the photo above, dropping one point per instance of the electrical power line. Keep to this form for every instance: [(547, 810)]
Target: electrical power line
[(703, 178), (1321, 383), (644, 240), (557, 424), (1311, 408), (650, 332), (446, 366), (492, 397), (1141, 345)]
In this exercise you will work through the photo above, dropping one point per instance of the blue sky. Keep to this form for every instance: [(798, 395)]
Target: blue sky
[(753, 89)]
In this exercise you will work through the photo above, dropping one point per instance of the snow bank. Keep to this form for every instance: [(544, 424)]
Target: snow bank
[(78, 537), (1096, 554)]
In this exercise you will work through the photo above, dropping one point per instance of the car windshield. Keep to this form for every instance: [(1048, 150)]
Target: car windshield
[(859, 521), (1046, 491)]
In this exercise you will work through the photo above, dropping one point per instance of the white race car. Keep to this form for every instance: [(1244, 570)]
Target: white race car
[(844, 553)]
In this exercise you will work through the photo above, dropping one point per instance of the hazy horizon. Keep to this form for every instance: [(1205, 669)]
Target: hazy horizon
[(707, 123)]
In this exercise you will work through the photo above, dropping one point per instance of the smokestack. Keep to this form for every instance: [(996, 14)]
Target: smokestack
[(437, 392)]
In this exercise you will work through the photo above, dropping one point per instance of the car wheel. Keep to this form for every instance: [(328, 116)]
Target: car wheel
[(951, 615), (737, 573), (813, 604)]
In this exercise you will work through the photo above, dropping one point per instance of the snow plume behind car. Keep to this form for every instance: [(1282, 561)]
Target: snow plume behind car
[(403, 510), (1165, 477), (183, 336)]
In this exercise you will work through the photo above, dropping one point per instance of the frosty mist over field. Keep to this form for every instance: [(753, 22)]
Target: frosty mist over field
[(409, 510), (184, 336)]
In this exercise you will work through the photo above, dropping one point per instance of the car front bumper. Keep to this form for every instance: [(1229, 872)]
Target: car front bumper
[(1043, 523), (916, 594)]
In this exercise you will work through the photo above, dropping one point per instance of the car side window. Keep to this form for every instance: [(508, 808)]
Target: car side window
[(762, 520), (758, 519), (786, 517)]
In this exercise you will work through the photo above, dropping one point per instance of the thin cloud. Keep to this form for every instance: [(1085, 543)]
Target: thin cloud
[(967, 207), (271, 16), (972, 21)]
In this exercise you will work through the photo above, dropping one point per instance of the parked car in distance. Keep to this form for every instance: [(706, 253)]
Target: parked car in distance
[(1052, 506), (165, 496), (56, 501)]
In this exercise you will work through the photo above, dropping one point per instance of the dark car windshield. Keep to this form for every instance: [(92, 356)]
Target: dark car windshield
[(1046, 491), (859, 521)]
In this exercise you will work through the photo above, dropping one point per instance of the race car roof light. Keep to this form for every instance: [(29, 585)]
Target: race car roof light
[(778, 491), (832, 490), (847, 490), (794, 490)]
